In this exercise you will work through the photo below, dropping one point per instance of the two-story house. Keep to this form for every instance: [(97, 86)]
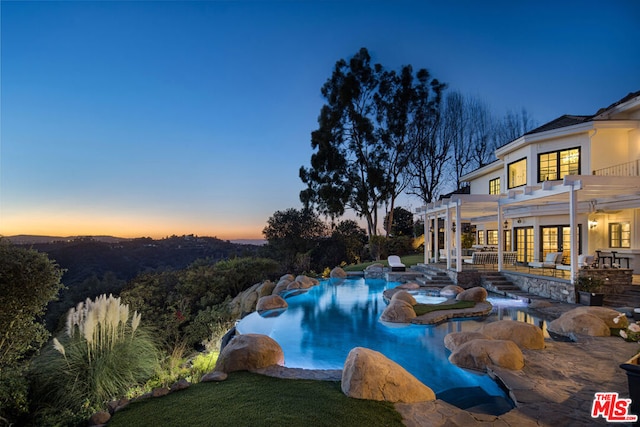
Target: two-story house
[(572, 185)]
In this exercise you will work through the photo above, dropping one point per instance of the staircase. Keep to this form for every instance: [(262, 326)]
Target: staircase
[(432, 277), (495, 282)]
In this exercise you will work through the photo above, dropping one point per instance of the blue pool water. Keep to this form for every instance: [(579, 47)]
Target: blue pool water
[(322, 325)]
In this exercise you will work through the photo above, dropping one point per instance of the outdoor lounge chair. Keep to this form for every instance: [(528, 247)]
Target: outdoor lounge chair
[(395, 263), (552, 260)]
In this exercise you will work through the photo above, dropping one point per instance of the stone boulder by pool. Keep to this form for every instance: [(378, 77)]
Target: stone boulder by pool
[(525, 335), (398, 311), (480, 353), (368, 374), (591, 321), (248, 352), (271, 302)]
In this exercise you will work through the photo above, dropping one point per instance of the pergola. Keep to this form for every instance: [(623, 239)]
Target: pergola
[(574, 194)]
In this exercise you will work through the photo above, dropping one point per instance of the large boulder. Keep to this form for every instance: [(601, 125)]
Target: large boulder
[(368, 374), (581, 323), (404, 296), (271, 302), (281, 286), (245, 302), (266, 288), (480, 353), (288, 277), (477, 294), (248, 352), (338, 273), (524, 334), (456, 339), (398, 311), (612, 318)]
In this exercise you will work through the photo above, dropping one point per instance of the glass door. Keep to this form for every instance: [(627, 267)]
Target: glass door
[(524, 244)]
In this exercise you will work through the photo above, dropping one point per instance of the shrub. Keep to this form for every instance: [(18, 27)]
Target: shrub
[(100, 355), (29, 281)]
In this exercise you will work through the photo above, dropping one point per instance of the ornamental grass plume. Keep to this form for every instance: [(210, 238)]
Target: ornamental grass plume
[(96, 359)]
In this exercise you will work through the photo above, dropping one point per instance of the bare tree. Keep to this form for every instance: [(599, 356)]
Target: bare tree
[(431, 149), (513, 125), (481, 126)]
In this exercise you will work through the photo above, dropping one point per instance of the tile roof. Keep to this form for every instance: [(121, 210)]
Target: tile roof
[(560, 122)]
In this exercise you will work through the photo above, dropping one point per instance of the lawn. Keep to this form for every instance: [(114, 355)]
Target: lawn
[(247, 399), (407, 260)]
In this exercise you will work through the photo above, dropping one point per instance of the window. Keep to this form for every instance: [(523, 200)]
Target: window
[(620, 235), (481, 237), (492, 237), (556, 165), (517, 173), (494, 186)]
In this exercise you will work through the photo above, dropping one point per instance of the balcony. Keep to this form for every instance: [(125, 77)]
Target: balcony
[(625, 169)]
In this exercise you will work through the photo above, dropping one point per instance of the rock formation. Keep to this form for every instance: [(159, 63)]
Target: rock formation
[(271, 302), (477, 294), (368, 374), (480, 353), (247, 352), (398, 311), (524, 334)]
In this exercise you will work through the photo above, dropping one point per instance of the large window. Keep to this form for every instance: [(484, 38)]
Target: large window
[(481, 240), (517, 173), (494, 186), (620, 235), (556, 165)]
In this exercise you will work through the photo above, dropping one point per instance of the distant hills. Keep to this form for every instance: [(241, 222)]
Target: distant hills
[(26, 239)]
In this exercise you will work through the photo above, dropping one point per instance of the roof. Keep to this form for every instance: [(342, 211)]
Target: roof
[(629, 97), (561, 122)]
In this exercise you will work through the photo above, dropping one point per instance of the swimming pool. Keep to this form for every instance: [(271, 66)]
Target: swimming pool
[(321, 326)]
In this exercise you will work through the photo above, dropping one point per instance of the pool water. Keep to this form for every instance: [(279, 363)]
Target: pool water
[(321, 326)]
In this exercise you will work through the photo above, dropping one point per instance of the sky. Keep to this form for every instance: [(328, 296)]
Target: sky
[(155, 118)]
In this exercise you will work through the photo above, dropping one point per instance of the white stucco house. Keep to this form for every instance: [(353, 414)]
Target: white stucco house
[(572, 185)]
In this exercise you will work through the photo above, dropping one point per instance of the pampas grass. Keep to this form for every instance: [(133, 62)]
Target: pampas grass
[(99, 356)]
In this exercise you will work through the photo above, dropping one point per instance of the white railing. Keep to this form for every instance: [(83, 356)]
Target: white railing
[(625, 169)]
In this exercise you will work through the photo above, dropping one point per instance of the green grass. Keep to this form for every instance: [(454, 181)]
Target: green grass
[(421, 309), (246, 399), (407, 260)]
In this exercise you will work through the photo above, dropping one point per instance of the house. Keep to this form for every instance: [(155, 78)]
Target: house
[(571, 185)]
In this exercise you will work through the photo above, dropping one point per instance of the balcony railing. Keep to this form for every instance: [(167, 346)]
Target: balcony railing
[(624, 169)]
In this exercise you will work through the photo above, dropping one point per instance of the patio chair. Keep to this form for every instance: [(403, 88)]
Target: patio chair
[(552, 260), (395, 263)]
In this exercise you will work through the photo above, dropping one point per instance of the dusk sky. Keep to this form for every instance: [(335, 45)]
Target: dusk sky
[(157, 118)]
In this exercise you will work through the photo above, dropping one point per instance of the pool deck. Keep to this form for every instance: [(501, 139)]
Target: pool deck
[(555, 388)]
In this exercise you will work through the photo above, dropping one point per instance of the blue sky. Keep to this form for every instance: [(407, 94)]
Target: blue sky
[(159, 118)]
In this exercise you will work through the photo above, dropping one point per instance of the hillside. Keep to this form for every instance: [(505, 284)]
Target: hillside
[(94, 266)]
